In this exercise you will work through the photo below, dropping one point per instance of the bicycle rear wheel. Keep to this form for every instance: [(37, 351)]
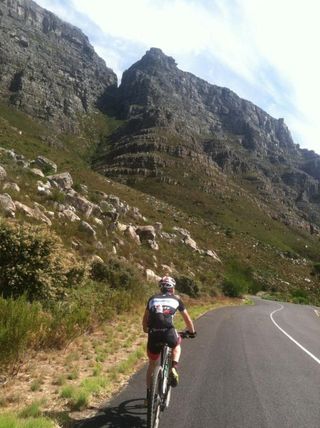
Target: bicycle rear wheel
[(154, 403)]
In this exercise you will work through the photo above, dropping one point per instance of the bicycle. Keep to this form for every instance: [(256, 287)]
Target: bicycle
[(160, 391)]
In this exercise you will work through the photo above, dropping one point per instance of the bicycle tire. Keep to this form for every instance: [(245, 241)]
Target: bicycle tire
[(154, 402)]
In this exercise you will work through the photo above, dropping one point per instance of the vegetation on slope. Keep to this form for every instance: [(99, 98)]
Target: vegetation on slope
[(56, 283)]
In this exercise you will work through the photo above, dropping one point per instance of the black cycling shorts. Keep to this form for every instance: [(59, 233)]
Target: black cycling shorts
[(156, 339)]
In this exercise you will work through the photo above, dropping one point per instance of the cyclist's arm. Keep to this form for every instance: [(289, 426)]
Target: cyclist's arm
[(145, 321), (188, 321)]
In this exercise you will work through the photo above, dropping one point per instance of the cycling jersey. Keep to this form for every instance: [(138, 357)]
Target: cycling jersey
[(162, 308)]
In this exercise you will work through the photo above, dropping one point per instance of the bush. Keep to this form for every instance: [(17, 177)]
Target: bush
[(57, 196), (66, 322), (188, 286), (239, 280), (300, 296), (316, 268), (34, 263), (234, 288), (118, 275), (20, 324)]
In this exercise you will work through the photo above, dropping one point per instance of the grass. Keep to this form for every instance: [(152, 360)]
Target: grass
[(32, 411), (11, 421), (36, 385)]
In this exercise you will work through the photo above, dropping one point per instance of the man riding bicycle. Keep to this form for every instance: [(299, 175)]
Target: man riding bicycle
[(158, 323)]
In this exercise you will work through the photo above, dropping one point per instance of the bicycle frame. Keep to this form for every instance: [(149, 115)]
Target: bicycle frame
[(160, 392)]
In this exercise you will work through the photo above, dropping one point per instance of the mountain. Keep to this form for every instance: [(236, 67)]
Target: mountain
[(171, 114), (166, 171), (48, 68)]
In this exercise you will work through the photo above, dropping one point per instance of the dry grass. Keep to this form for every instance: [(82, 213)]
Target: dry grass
[(72, 379)]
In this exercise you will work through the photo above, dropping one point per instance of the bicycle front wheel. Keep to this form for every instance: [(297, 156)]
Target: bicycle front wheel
[(154, 403)]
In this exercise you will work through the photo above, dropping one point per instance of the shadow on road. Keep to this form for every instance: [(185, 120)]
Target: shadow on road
[(129, 414)]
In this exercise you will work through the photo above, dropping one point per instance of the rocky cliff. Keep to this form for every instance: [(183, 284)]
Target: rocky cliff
[(173, 114), (48, 67), (178, 129)]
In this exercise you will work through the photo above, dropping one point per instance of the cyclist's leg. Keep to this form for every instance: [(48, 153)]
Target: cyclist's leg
[(174, 341), (176, 353), (153, 351), (153, 361)]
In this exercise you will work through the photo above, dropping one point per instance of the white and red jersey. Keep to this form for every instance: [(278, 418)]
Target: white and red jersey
[(162, 308)]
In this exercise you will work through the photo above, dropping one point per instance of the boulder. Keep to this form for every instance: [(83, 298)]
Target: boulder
[(69, 215), (3, 173), (11, 186), (167, 270), (35, 213), (97, 221), (184, 232), (212, 254), (46, 165), (7, 205), (136, 213), (151, 276), (63, 180), (114, 200), (88, 229), (153, 244), (37, 171), (80, 203), (44, 188), (191, 243), (107, 207), (146, 233), (121, 227), (131, 233), (96, 259)]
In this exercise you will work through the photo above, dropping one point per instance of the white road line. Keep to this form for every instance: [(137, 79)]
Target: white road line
[(317, 312), (317, 360)]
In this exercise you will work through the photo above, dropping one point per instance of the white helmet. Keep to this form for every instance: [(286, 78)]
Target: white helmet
[(167, 283)]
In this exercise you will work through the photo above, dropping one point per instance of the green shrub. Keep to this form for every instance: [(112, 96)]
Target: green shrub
[(316, 268), (20, 326), (34, 263), (67, 321), (233, 288), (57, 196), (239, 280), (188, 286), (300, 296), (118, 275)]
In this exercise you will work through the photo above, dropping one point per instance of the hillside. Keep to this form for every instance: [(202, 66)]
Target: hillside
[(104, 189)]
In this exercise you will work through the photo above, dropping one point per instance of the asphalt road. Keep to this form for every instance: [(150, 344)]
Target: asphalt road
[(249, 367)]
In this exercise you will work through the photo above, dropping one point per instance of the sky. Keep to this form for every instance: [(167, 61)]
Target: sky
[(264, 50)]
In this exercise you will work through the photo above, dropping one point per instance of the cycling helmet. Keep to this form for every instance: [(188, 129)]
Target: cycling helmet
[(167, 283)]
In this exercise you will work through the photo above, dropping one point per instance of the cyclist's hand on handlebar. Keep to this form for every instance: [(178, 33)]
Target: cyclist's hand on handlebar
[(190, 334)]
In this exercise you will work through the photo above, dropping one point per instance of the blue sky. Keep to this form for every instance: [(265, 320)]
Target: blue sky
[(264, 50)]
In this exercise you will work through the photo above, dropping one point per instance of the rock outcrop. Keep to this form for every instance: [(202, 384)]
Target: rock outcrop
[(176, 121), (48, 68)]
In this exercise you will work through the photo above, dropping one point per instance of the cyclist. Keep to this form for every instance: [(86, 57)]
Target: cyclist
[(158, 323)]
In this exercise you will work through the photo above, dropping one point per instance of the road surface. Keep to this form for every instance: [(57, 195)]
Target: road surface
[(249, 367)]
